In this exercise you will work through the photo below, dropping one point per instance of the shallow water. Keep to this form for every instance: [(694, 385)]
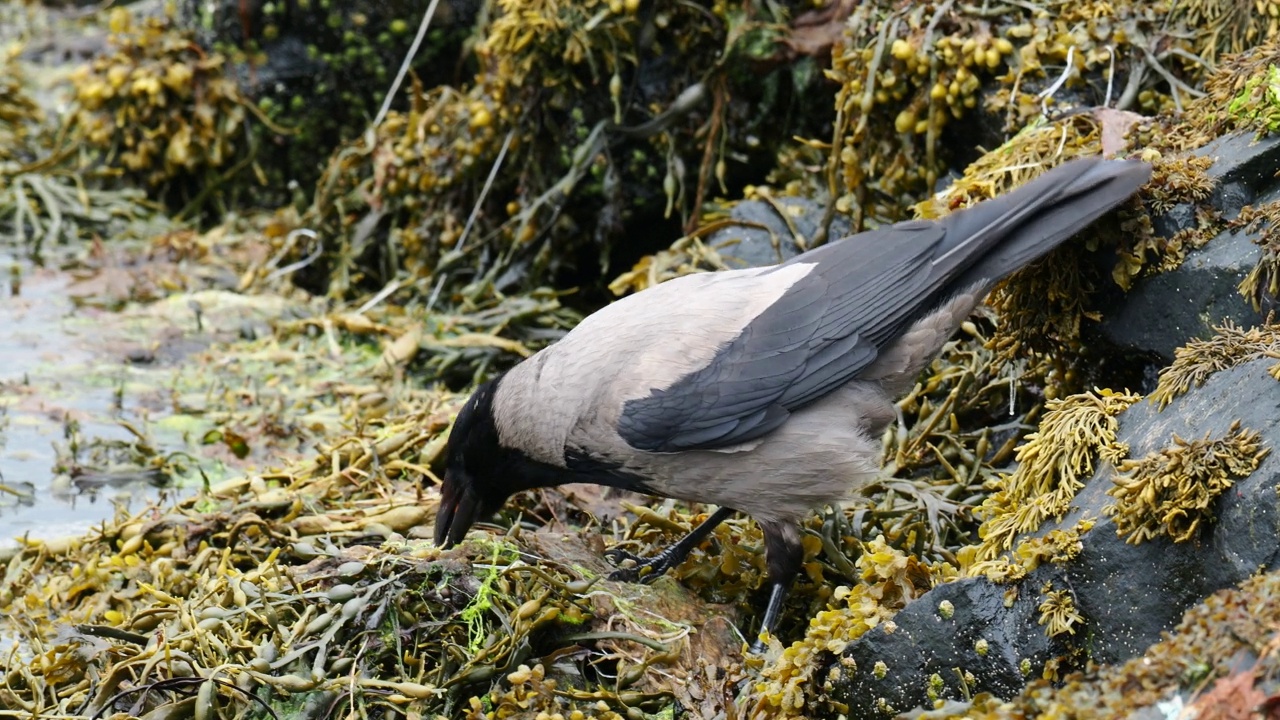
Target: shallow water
[(58, 363)]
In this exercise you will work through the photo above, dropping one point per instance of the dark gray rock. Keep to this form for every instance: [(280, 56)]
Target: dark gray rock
[(1160, 313), (746, 246), (922, 643), (1179, 217), (1244, 167), (1131, 593), (1127, 594)]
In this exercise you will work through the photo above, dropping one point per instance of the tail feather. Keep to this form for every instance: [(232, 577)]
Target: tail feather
[(999, 236)]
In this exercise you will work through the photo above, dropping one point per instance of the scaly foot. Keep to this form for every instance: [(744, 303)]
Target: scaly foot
[(633, 568)]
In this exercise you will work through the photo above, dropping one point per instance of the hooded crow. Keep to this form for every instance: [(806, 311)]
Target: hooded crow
[(761, 390)]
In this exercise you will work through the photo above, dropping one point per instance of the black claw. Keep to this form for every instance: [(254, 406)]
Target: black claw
[(641, 570), (646, 570), (618, 556), (627, 575)]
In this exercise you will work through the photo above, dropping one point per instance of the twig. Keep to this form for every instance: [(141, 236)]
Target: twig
[(1048, 92), (1111, 74), (383, 294), (488, 183), (404, 66), (291, 267), (708, 154), (1174, 83), (1137, 73)]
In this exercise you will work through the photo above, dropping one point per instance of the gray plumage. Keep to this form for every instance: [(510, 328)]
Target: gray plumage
[(763, 390), (766, 389)]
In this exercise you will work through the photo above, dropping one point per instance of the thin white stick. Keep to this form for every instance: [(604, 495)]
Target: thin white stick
[(488, 183), (404, 66)]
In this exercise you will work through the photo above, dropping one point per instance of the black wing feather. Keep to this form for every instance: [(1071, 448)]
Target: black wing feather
[(861, 293), (803, 346)]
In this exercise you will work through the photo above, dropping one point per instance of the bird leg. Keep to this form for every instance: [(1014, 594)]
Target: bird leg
[(646, 570), (784, 555)]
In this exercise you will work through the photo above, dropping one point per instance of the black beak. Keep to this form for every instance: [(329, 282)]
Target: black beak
[(459, 510)]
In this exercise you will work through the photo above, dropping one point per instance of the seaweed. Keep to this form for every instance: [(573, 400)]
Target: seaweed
[(889, 579), (1058, 612), (1230, 346), (1172, 490), (166, 115), (1077, 434), (1263, 280)]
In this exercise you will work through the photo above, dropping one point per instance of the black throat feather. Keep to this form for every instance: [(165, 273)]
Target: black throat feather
[(498, 471)]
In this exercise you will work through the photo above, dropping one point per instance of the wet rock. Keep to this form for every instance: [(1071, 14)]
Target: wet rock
[(925, 649), (140, 355), (219, 312), (1179, 217), (1244, 168), (1127, 594), (1131, 593), (764, 237), (348, 42), (1161, 312)]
